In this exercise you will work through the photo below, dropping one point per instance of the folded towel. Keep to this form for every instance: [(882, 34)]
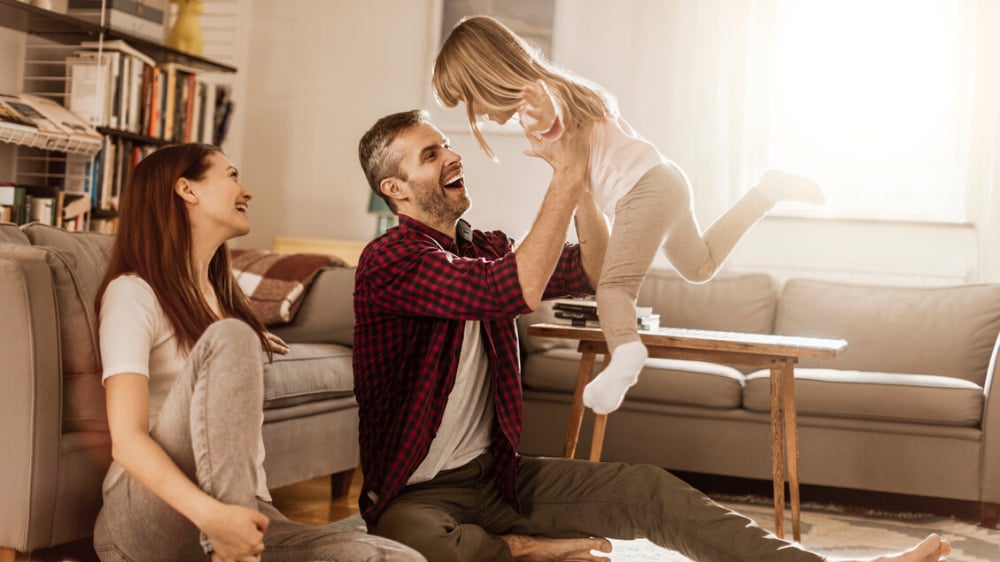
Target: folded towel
[(276, 283)]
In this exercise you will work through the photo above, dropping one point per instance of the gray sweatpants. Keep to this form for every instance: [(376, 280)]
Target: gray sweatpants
[(210, 426), (458, 516)]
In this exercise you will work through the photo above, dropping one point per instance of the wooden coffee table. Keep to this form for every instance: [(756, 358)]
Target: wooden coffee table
[(779, 353)]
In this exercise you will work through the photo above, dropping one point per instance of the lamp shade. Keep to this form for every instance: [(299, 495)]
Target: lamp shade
[(377, 205)]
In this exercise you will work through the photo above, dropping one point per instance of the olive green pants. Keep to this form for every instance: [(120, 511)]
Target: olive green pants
[(458, 516)]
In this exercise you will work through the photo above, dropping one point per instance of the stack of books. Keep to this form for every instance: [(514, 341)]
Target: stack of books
[(583, 313)]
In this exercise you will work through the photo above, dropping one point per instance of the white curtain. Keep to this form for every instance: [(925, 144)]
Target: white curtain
[(696, 78)]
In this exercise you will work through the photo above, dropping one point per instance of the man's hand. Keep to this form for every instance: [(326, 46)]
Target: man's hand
[(236, 533)]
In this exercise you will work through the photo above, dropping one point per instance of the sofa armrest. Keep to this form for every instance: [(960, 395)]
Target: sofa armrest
[(327, 311), (31, 400), (990, 460)]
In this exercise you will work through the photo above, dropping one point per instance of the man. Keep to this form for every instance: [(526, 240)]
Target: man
[(438, 383)]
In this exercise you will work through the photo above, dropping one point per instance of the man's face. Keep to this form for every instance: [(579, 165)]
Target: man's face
[(434, 189)]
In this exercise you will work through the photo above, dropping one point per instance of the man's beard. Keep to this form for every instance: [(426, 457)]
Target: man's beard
[(438, 205)]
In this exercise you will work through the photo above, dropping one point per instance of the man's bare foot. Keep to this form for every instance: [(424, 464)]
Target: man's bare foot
[(541, 549), (931, 549)]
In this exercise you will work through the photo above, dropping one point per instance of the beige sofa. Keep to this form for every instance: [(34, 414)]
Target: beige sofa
[(54, 431), (910, 407)]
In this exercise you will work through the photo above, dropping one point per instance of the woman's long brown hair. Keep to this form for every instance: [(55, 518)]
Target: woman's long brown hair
[(154, 242)]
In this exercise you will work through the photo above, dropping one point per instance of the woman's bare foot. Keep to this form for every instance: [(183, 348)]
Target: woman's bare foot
[(541, 549), (931, 549)]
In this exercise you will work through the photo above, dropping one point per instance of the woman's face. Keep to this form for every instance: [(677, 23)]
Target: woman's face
[(222, 201)]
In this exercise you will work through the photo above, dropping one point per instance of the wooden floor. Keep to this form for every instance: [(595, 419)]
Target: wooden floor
[(308, 502)]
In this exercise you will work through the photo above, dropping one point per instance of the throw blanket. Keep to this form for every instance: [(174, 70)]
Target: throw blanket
[(276, 283)]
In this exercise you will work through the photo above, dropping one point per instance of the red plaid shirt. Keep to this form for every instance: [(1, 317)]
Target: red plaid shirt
[(414, 290)]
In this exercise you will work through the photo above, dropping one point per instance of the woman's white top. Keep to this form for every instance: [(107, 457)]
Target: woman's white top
[(137, 337)]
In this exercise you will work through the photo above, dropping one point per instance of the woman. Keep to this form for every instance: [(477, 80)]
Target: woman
[(182, 360)]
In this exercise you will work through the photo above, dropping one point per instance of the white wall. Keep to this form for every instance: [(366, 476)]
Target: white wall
[(319, 74)]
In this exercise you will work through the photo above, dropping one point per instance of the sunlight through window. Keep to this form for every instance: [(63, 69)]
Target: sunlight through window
[(867, 99)]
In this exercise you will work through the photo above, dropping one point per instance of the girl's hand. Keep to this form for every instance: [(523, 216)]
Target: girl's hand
[(538, 113), (236, 533), (276, 344)]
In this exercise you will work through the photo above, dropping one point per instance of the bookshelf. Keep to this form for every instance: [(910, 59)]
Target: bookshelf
[(97, 171)]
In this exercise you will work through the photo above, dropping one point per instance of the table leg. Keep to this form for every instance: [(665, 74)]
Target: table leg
[(791, 441), (597, 443), (600, 424), (576, 409), (777, 448)]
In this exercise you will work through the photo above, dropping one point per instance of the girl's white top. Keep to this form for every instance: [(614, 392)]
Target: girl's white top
[(619, 157), (137, 337)]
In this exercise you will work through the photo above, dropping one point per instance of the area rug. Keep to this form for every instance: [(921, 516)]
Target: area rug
[(830, 532)]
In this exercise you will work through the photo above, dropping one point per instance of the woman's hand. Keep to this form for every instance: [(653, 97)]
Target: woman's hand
[(236, 533), (276, 344)]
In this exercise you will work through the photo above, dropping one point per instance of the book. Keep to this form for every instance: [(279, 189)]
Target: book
[(14, 120), (644, 323), (63, 117), (589, 306), (146, 19), (88, 83), (45, 204), (15, 199), (27, 112)]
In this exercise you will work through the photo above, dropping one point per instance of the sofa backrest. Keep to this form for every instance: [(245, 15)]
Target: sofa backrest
[(78, 261), (731, 303), (947, 331), (327, 311), (11, 234)]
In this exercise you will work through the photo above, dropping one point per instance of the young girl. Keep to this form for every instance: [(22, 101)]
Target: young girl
[(183, 376), (497, 74)]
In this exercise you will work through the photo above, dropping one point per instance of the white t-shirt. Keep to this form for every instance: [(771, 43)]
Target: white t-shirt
[(137, 337), (465, 428), (619, 157)]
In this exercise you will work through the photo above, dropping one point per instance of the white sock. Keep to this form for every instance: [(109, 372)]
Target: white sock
[(605, 393), (779, 186)]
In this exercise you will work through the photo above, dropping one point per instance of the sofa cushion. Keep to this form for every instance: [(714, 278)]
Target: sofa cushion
[(11, 234), (875, 396), (78, 261), (668, 381), (308, 373), (945, 331), (733, 303), (327, 311)]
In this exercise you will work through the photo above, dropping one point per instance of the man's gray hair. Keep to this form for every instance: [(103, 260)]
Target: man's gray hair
[(377, 161)]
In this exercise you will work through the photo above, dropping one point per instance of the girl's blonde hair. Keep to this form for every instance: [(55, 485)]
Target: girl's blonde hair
[(486, 65)]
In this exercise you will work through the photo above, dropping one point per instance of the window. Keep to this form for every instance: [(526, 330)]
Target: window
[(871, 100)]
